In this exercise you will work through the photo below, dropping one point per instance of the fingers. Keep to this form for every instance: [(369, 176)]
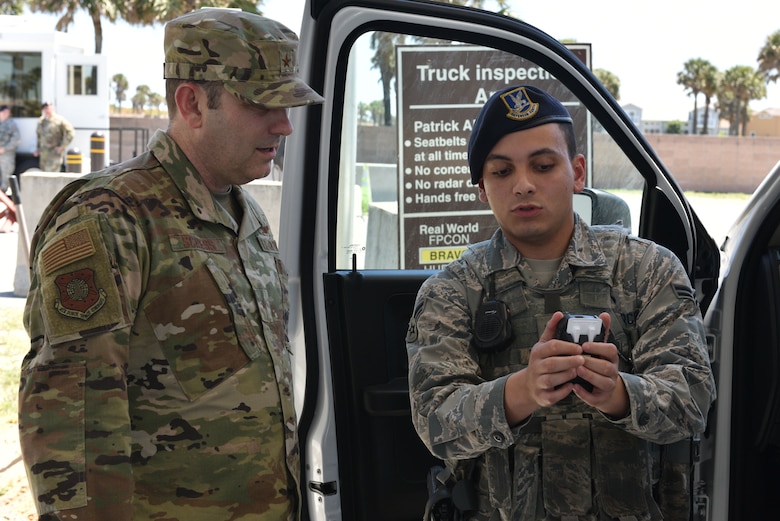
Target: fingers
[(606, 319), (551, 368), (550, 330)]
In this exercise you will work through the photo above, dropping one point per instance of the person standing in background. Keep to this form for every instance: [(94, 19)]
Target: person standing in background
[(54, 135), (9, 141)]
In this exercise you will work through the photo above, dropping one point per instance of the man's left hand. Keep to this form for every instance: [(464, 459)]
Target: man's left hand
[(601, 369)]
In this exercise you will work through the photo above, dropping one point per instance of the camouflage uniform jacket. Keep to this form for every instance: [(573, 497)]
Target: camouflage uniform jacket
[(567, 461), (158, 384), (9, 136), (9, 142), (54, 132)]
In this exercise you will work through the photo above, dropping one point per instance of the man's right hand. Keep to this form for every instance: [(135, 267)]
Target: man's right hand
[(547, 379)]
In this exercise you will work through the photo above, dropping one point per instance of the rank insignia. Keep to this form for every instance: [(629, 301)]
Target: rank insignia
[(519, 104), (79, 295)]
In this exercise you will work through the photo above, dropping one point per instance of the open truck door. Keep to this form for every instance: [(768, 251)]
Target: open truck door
[(369, 212)]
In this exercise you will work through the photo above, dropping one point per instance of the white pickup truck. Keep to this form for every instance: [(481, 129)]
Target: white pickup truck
[(356, 262)]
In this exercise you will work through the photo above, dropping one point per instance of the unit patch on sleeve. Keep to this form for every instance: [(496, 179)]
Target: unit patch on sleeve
[(79, 298), (81, 295)]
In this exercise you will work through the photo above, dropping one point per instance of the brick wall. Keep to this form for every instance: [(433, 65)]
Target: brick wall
[(699, 163), (717, 164)]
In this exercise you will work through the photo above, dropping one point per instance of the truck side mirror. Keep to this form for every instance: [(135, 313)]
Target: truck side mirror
[(600, 207)]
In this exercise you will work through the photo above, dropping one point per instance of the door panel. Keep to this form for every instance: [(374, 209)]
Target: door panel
[(755, 417), (381, 456)]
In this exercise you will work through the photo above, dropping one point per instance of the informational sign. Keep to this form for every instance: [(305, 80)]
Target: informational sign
[(441, 89)]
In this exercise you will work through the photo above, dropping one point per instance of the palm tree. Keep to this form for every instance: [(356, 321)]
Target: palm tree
[(119, 86), (756, 89), (142, 12), (769, 57), (11, 7), (141, 98), (709, 87), (145, 12), (692, 79), (727, 104), (96, 9), (740, 85), (610, 81), (384, 46), (154, 102)]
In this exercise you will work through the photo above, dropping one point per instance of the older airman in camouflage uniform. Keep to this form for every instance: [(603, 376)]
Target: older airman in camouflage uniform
[(9, 141), (158, 384), (510, 420), (54, 135)]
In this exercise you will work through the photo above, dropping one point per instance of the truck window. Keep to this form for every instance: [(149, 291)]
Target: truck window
[(405, 196), (82, 80), (20, 83)]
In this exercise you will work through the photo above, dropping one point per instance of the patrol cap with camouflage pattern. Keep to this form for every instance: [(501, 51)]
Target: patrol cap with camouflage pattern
[(510, 110), (254, 56)]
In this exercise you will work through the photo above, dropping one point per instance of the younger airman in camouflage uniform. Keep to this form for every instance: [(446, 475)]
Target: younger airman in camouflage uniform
[(511, 421), (158, 384), (54, 135)]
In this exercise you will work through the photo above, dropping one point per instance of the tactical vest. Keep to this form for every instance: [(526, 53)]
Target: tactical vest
[(569, 462)]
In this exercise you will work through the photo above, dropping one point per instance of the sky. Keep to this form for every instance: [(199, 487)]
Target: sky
[(645, 44)]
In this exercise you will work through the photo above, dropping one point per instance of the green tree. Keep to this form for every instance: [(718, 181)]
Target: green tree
[(363, 113), (710, 83), (154, 101), (740, 85), (692, 79), (769, 57), (727, 105), (141, 12), (146, 12), (373, 112), (119, 85), (610, 81), (384, 44), (140, 98), (376, 110), (674, 127), (97, 9), (11, 6)]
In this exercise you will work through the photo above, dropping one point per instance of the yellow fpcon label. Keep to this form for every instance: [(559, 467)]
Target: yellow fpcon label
[(440, 255)]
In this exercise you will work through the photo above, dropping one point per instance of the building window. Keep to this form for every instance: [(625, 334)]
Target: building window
[(20, 83), (82, 80)]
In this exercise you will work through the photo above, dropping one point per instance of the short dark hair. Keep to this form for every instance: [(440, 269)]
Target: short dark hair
[(571, 139), (213, 91)]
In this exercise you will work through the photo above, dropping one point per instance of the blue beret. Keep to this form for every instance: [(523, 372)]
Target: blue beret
[(510, 110)]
